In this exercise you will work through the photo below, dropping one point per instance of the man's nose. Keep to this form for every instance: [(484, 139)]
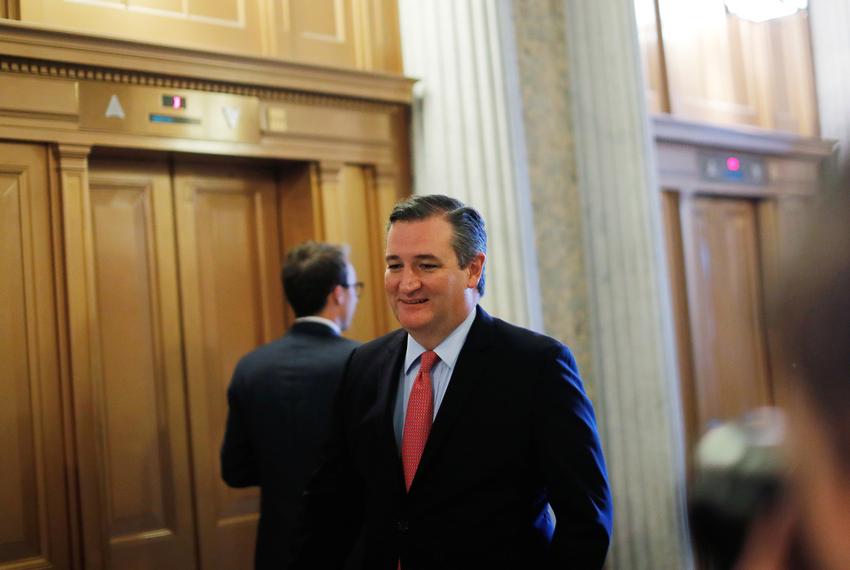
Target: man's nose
[(409, 281)]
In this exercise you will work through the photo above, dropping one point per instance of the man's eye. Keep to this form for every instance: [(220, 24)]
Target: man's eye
[(428, 266), (394, 266)]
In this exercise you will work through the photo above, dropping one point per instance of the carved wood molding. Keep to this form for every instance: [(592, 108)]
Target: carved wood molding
[(40, 50), (672, 130), (10, 9), (73, 157)]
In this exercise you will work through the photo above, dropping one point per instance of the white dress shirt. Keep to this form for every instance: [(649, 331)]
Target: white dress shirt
[(441, 373), (320, 320)]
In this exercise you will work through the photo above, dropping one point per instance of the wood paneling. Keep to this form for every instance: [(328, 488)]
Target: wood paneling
[(34, 526), (354, 34), (300, 211), (713, 66), (76, 224), (138, 398), (385, 182), (132, 288), (725, 304), (351, 216), (317, 31), (222, 25), (652, 57), (709, 64), (10, 9), (228, 238), (781, 225)]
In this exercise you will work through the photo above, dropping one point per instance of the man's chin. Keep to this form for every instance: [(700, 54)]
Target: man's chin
[(412, 323)]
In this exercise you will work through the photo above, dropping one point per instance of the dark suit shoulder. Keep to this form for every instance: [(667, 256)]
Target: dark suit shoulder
[(522, 339), (331, 348)]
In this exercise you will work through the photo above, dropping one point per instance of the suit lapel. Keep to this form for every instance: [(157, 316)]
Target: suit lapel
[(389, 375), (470, 371)]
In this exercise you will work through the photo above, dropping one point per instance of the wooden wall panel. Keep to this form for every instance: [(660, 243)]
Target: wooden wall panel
[(34, 526), (725, 304), (299, 211), (652, 60), (232, 302), (354, 34), (237, 26), (9, 9), (138, 393), (792, 98), (351, 216), (317, 31), (705, 64), (381, 39), (710, 69), (781, 228)]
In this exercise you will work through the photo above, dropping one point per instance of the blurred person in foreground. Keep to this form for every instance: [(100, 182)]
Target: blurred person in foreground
[(281, 394), (810, 528), (511, 473)]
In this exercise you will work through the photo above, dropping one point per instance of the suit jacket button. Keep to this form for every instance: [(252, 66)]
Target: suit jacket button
[(401, 526)]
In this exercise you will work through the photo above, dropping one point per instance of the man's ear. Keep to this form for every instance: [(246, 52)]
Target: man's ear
[(337, 294), (475, 268)]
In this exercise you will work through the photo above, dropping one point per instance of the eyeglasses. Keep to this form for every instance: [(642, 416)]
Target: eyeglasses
[(358, 287)]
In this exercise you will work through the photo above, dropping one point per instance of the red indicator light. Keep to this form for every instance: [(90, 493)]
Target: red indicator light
[(733, 164), (177, 102)]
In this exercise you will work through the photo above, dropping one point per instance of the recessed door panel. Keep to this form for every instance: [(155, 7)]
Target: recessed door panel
[(232, 302), (725, 305), (138, 400), (34, 529)]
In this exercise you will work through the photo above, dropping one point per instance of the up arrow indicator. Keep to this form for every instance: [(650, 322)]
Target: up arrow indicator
[(114, 109)]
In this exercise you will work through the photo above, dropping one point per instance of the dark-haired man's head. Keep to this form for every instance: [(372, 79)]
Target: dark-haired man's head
[(318, 280), (436, 248), (469, 236)]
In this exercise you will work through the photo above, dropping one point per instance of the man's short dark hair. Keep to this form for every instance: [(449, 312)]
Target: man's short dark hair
[(470, 237), (310, 272)]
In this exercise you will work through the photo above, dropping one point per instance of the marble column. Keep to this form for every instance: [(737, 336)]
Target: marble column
[(829, 21), (629, 304), (466, 142)]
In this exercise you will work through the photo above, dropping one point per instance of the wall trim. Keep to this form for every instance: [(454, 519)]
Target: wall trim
[(50, 50)]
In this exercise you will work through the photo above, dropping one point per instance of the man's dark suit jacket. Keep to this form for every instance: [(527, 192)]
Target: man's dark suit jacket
[(280, 402), (515, 432)]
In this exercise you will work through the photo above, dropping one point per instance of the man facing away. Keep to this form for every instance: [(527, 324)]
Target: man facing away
[(281, 394), (460, 441)]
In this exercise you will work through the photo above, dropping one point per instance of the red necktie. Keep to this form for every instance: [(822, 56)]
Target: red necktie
[(417, 422)]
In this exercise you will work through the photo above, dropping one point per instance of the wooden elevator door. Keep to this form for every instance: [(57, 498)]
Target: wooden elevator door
[(143, 490), (716, 270), (34, 530), (229, 266), (186, 264)]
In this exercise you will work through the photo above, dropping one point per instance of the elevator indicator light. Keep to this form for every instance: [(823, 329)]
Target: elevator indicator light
[(174, 101), (733, 164)]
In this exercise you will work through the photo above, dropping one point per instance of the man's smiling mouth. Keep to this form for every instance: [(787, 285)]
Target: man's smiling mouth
[(413, 301)]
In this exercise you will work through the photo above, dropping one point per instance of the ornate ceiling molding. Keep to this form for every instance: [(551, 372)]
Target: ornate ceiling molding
[(40, 50)]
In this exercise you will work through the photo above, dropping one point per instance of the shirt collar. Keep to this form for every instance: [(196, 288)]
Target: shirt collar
[(320, 320), (448, 350)]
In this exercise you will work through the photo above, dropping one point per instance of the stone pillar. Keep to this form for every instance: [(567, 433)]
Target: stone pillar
[(629, 304), (541, 54), (829, 22), (465, 141)]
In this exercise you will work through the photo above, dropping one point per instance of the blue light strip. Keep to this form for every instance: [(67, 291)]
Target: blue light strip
[(159, 118)]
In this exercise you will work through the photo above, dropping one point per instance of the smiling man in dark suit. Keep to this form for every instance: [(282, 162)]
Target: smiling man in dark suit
[(281, 394), (460, 441)]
